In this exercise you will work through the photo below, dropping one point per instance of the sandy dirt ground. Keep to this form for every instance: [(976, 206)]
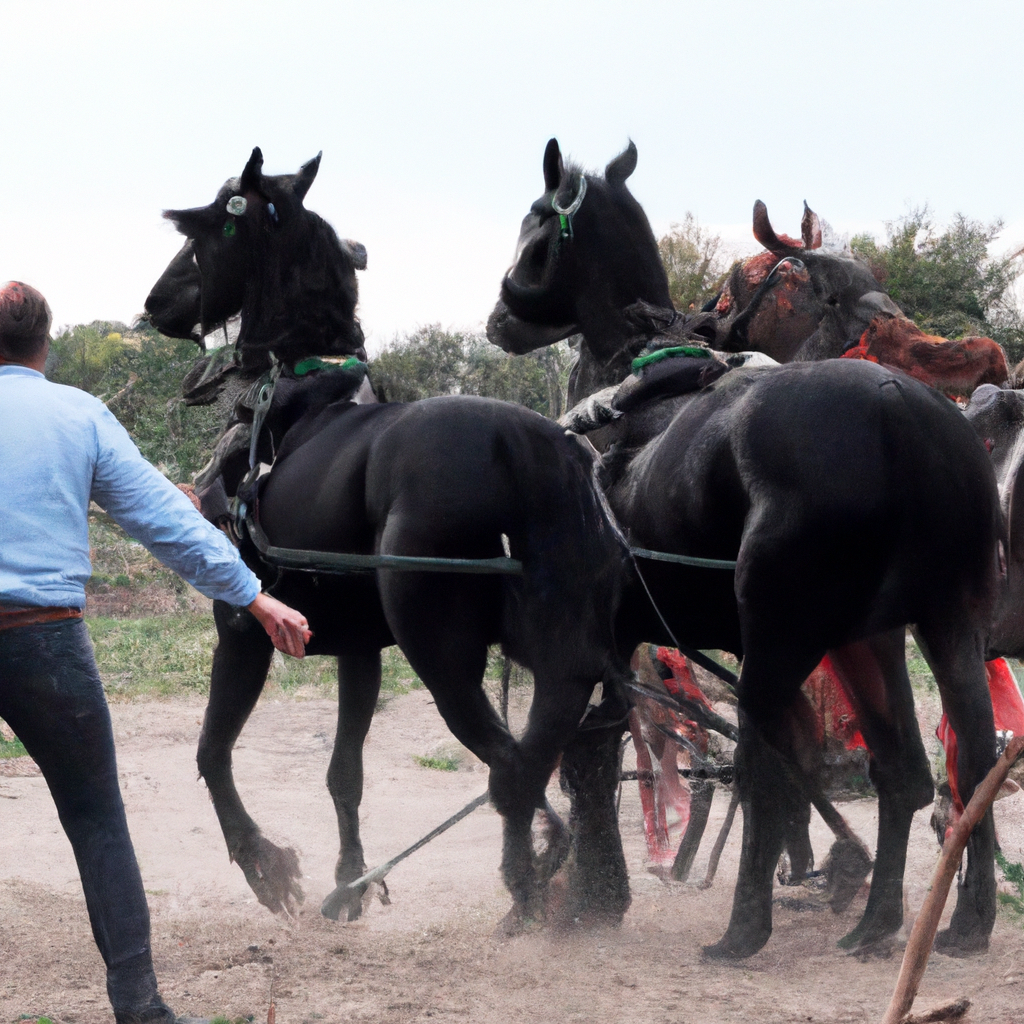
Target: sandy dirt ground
[(431, 955)]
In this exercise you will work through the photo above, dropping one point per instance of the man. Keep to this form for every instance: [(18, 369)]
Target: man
[(59, 448)]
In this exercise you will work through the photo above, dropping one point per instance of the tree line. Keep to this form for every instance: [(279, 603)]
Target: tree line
[(945, 280)]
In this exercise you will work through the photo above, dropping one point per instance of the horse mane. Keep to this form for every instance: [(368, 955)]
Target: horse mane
[(301, 293)]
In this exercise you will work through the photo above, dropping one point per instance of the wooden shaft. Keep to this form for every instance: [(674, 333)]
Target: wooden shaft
[(723, 835), (915, 957)]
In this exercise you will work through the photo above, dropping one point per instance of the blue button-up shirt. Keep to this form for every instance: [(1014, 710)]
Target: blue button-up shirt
[(59, 447)]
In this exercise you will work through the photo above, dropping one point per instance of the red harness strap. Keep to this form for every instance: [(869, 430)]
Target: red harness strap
[(1008, 711)]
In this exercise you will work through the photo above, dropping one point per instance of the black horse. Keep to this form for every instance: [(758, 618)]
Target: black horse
[(854, 500), (444, 478)]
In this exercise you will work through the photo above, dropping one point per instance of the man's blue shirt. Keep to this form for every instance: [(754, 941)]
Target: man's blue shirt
[(61, 447)]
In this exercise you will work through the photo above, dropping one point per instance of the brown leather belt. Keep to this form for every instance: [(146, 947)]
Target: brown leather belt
[(34, 616)]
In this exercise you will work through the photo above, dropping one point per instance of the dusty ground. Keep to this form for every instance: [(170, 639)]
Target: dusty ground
[(430, 955)]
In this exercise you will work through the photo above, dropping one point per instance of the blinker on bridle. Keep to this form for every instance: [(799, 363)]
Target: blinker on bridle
[(566, 214), (237, 206)]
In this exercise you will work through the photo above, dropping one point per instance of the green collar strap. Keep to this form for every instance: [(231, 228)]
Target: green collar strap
[(304, 366), (692, 351)]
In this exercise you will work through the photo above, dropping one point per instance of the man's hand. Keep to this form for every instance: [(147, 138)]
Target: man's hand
[(286, 627)]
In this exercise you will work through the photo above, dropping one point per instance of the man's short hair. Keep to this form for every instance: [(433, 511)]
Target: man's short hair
[(24, 321)]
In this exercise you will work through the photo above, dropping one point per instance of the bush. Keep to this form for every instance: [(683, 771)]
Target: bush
[(138, 374), (948, 283), (432, 361), (692, 259)]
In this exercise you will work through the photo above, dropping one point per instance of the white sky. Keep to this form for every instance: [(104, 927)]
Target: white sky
[(433, 119)]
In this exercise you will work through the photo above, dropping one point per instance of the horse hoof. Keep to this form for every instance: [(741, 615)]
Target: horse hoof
[(732, 948), (273, 875), (871, 939), (516, 923), (846, 867), (343, 898), (881, 947), (957, 945)]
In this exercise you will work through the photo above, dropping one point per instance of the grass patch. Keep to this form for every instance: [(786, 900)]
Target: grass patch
[(155, 657), (921, 677), (171, 655), (12, 748), (1014, 874), (440, 764)]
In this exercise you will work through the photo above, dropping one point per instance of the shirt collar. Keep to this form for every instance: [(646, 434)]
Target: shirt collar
[(17, 370)]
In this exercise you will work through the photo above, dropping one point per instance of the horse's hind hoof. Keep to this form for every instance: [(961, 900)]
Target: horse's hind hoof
[(881, 948), (957, 945), (846, 867), (558, 842), (516, 923), (736, 948), (872, 937)]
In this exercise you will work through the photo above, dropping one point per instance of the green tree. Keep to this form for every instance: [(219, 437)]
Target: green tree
[(138, 373), (431, 361), (82, 355), (693, 261), (948, 282)]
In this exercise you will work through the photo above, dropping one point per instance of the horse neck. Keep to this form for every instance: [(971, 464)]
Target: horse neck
[(590, 373)]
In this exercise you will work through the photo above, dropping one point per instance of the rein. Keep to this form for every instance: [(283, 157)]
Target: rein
[(337, 562)]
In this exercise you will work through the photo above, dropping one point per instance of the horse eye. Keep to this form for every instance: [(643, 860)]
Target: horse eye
[(229, 228)]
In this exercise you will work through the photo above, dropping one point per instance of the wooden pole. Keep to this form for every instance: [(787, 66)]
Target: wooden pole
[(915, 957), (723, 835)]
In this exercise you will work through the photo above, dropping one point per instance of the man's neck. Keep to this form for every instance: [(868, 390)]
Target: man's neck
[(37, 363)]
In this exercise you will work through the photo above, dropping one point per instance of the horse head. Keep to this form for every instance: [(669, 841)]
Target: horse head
[(585, 252), (798, 299), (256, 250)]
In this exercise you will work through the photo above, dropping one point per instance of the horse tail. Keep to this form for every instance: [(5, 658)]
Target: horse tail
[(573, 553)]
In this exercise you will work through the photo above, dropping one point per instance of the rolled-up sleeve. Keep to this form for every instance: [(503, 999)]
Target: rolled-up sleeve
[(146, 505)]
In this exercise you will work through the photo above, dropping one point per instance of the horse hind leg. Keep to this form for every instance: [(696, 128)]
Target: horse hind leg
[(446, 644), (240, 665), (595, 887), (358, 688), (957, 662), (517, 783), (874, 675)]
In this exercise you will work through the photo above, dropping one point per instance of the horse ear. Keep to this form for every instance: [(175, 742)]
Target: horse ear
[(553, 166), (763, 230), (810, 228), (306, 175), (355, 251), (192, 222), (622, 166), (253, 171)]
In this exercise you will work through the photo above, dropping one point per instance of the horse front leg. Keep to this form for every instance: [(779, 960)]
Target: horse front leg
[(358, 688), (240, 665)]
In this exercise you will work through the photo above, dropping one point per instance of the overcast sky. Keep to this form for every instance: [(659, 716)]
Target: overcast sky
[(433, 117)]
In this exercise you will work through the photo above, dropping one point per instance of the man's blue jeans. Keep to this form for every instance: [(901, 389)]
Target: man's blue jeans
[(51, 696)]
